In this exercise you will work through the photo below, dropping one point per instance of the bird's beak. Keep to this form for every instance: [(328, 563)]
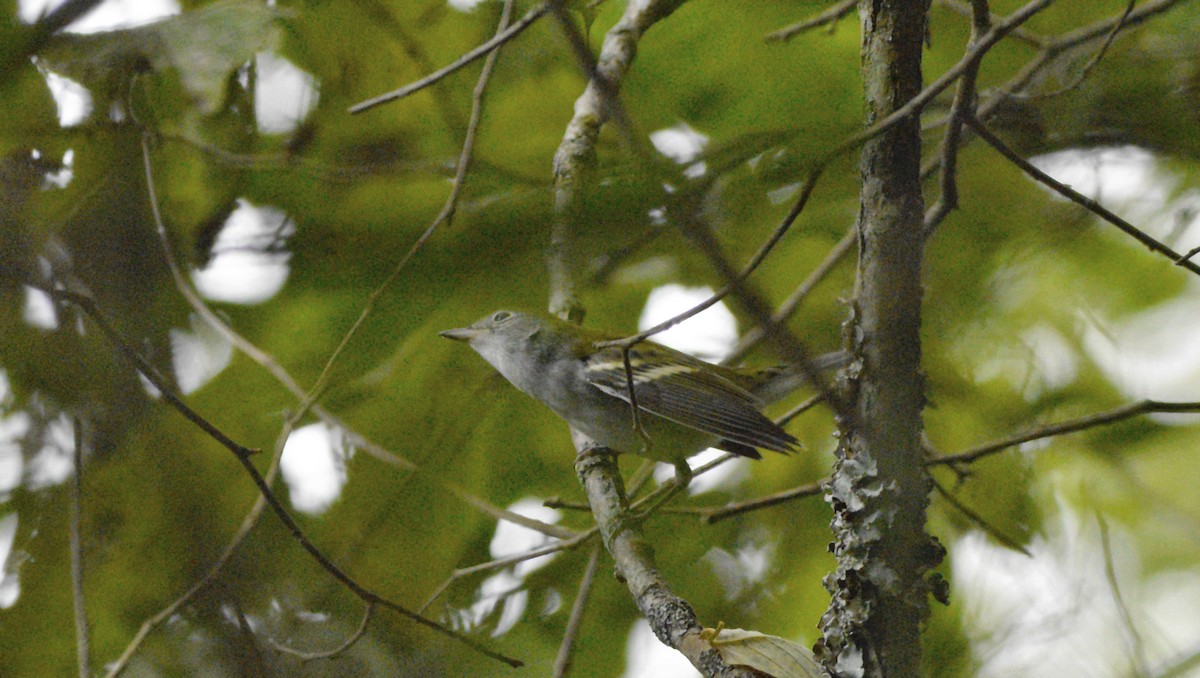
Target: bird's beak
[(460, 334)]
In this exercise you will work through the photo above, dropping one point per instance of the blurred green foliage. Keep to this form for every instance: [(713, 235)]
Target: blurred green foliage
[(161, 499)]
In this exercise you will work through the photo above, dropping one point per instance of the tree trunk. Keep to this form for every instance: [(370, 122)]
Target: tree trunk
[(879, 488)]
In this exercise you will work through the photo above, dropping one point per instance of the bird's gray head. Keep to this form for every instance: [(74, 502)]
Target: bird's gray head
[(503, 338)]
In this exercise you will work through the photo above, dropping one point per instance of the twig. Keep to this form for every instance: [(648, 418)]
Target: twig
[(1080, 199), (1091, 63), (1136, 646), (243, 454), (82, 654), (248, 522), (328, 654), (499, 39), (1069, 426), (446, 215), (789, 306), (566, 648), (971, 11), (829, 16), (281, 375), (979, 521), (973, 54), (735, 278), (962, 108), (710, 516), (564, 545)]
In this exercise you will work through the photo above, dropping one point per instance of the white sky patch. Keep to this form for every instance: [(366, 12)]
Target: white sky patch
[(55, 461), (682, 144), (248, 265), (1131, 182), (464, 5), (39, 310), (10, 586), (1055, 614), (1153, 353), (107, 16), (62, 178), (745, 569), (73, 100), (13, 429), (710, 336), (510, 540), (198, 354), (314, 468), (647, 657), (284, 94)]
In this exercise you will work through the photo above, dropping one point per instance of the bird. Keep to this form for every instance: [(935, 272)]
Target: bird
[(684, 404)]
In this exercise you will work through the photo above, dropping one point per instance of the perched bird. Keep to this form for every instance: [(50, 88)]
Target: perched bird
[(685, 405)]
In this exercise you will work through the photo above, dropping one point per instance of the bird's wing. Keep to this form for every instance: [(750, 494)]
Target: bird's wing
[(689, 392)]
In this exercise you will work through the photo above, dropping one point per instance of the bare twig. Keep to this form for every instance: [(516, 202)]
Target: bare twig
[(1075, 196), (1091, 63), (564, 545), (979, 520), (789, 306), (829, 16), (82, 654), (499, 39), (735, 278), (971, 11), (328, 654), (1136, 646), (566, 648), (735, 508), (1069, 426), (963, 107), (446, 215), (243, 454), (976, 51), (248, 522)]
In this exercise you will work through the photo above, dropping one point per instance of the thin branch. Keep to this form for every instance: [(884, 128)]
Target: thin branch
[(1021, 34), (243, 454), (1069, 426), (248, 522), (829, 16), (1136, 646), (499, 39), (1080, 199), (328, 654), (1091, 63), (735, 278), (789, 306), (979, 520), (564, 545), (566, 648), (446, 215), (731, 509), (973, 54), (82, 654)]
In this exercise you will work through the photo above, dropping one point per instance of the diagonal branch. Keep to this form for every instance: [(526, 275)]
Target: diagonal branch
[(243, 455), (828, 17), (1070, 426), (497, 40), (1078, 198)]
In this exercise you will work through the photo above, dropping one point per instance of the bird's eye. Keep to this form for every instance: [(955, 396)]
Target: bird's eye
[(500, 316)]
